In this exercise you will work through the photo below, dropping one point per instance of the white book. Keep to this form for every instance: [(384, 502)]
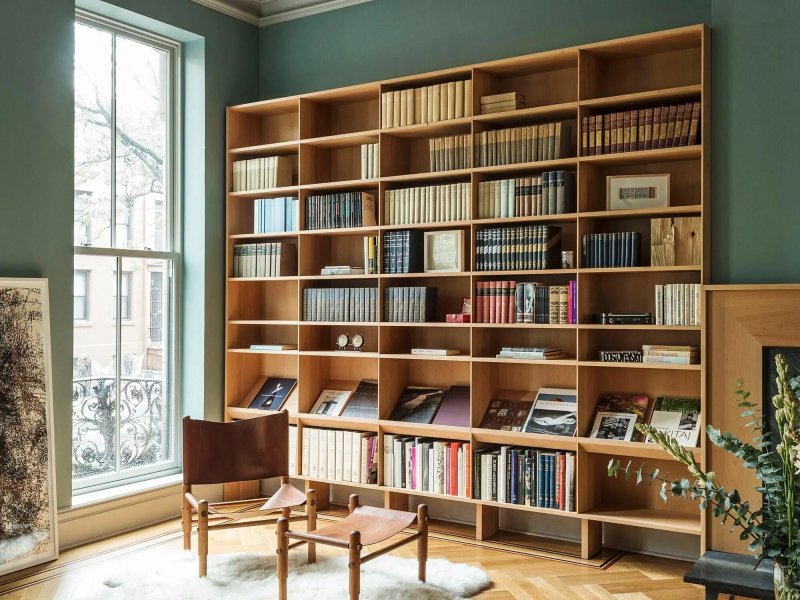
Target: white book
[(364, 475), (679, 418), (293, 450), (306, 453), (331, 402), (501, 474), (614, 426), (338, 464), (397, 462), (355, 462), (323, 453), (331, 462), (313, 458), (347, 463), (388, 460)]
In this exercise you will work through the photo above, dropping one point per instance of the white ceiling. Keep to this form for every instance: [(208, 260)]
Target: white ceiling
[(267, 12)]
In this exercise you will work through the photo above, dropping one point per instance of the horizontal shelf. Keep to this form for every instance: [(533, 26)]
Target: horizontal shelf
[(638, 365), (291, 190), (629, 270), (424, 494), (692, 209), (251, 351), (262, 236), (261, 322), (662, 95), (366, 486), (346, 185), (642, 327), (335, 277), (628, 449), (275, 148), (243, 412), (343, 140), (645, 156), (423, 324), (524, 507), (512, 117), (534, 272), (339, 353), (451, 358), (461, 434), (541, 165), (263, 279), (431, 129), (556, 362), (428, 177), (665, 520), (342, 323), (562, 218), (338, 422), (435, 225), (426, 274), (521, 438), (341, 231), (525, 325)]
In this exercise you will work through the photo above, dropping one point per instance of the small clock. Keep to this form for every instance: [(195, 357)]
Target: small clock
[(357, 341), (342, 341)]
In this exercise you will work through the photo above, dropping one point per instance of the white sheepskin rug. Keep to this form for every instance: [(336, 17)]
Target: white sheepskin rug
[(166, 574)]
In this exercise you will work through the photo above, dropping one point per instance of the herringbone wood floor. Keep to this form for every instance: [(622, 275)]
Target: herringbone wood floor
[(515, 575)]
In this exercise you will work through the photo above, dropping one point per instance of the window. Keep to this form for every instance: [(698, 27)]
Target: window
[(80, 295), (127, 234)]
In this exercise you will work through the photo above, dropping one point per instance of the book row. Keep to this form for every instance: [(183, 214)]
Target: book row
[(427, 104), (519, 248), (370, 261), (525, 476), (640, 129), (410, 304), (273, 259), (451, 152), (341, 210), (678, 304), (369, 161), (524, 302), (551, 193), (548, 141), (261, 173), (427, 465), (403, 251), (606, 250), (427, 204), (339, 455), (340, 304), (273, 215), (654, 354)]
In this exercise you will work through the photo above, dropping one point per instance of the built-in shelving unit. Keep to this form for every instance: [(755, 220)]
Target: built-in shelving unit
[(322, 132)]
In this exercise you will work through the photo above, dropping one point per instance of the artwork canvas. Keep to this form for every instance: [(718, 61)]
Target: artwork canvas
[(28, 534)]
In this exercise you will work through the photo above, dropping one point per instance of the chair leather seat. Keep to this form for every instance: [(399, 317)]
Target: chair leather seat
[(375, 525), (287, 496)]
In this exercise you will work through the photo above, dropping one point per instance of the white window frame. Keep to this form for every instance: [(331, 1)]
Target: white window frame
[(171, 253), (86, 274)]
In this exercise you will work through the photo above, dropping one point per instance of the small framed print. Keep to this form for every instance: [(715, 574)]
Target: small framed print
[(444, 251), (628, 192)]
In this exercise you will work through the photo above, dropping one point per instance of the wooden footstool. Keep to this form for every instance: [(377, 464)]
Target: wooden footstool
[(365, 525)]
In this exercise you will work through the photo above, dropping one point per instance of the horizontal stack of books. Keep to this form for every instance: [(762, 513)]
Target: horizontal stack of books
[(451, 152), (275, 259), (519, 248), (678, 304), (641, 129), (530, 353), (340, 304), (274, 215), (670, 355), (525, 476), (427, 104), (403, 251), (338, 455), (525, 302), (501, 102), (262, 173), (410, 304), (337, 211), (548, 141), (369, 161), (435, 466), (427, 204), (607, 250), (551, 193)]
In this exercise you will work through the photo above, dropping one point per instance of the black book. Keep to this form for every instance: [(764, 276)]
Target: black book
[(417, 405), (363, 404)]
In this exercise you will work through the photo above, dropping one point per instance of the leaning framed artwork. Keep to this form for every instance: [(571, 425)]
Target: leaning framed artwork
[(28, 527)]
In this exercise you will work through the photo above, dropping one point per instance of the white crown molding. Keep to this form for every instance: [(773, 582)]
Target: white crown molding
[(256, 12)]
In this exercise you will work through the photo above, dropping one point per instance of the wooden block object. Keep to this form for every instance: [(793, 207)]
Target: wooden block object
[(676, 241)]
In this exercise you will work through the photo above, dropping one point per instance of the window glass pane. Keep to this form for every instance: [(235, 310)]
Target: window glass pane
[(142, 103), (94, 414), (93, 136), (147, 417)]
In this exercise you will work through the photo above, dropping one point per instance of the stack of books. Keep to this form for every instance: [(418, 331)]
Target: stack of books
[(274, 215), (403, 251), (427, 104), (551, 193), (519, 248), (525, 476), (525, 302), (548, 141), (414, 304), (273, 259), (339, 270), (427, 204), (342, 210), (641, 129), (369, 161), (435, 466), (338, 455), (529, 353), (670, 355), (501, 102), (678, 304), (340, 304), (606, 250), (262, 173), (452, 152)]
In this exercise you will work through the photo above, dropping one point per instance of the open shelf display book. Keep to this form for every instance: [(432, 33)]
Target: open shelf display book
[(320, 137)]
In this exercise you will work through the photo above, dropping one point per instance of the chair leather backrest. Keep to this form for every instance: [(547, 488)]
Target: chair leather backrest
[(240, 451)]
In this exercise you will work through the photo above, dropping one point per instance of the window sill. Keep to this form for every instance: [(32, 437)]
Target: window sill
[(123, 491), (82, 324)]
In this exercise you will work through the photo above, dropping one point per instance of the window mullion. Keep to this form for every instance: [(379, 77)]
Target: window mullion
[(113, 223), (118, 368)]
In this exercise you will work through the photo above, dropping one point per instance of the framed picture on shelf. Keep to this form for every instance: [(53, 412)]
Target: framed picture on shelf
[(628, 192), (444, 251)]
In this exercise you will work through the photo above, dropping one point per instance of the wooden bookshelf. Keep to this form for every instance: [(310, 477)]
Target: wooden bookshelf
[(322, 132)]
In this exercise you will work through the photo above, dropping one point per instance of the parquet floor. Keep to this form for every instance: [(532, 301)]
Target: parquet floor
[(515, 575)]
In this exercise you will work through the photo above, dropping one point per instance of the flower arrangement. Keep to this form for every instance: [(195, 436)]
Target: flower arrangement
[(772, 530)]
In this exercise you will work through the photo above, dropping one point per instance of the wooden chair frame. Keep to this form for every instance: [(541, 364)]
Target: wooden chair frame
[(352, 545), (252, 513)]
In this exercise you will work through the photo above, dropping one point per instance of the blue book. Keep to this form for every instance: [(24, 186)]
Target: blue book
[(279, 218), (539, 480), (514, 470)]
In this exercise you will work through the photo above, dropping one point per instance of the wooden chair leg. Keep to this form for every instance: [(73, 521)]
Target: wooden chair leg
[(311, 523), (353, 504), (354, 564), (422, 540), (186, 518), (202, 536), (283, 557)]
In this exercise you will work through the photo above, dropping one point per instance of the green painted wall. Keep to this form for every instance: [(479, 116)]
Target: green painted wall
[(755, 87), (36, 155)]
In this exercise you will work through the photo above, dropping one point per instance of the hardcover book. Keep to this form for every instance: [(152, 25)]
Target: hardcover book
[(679, 418), (614, 426), (554, 412), (363, 403), (271, 393), (331, 402), (454, 409), (417, 404), (506, 415)]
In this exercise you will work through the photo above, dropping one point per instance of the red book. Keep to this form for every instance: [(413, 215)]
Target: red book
[(467, 470), (503, 302), (479, 302), (570, 307), (497, 291), (512, 301), (454, 469)]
